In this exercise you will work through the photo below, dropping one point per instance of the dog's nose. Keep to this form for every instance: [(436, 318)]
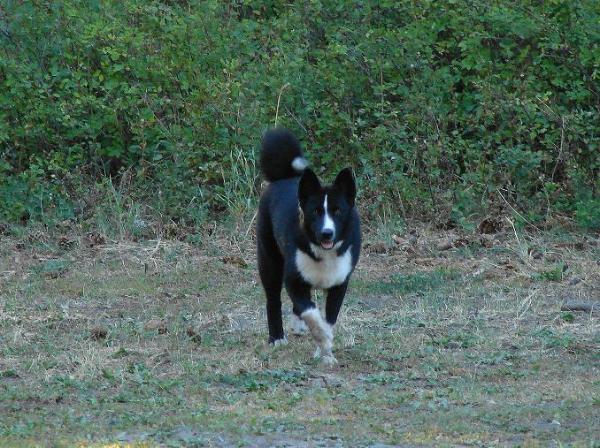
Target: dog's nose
[(327, 234)]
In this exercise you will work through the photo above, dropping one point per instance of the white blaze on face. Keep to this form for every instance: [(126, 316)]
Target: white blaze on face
[(328, 223)]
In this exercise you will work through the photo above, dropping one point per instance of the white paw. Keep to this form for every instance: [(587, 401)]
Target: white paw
[(278, 342), (297, 326), (320, 329), (328, 360), (317, 353)]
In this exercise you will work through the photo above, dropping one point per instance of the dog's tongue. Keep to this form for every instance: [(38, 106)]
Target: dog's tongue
[(326, 244)]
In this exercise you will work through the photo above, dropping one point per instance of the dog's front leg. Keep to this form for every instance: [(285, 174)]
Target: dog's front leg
[(320, 330), (335, 297), (323, 334)]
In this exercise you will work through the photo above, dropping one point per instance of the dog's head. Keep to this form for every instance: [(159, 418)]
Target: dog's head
[(326, 209)]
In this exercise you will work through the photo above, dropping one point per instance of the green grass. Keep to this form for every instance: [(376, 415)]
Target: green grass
[(419, 283), (432, 351)]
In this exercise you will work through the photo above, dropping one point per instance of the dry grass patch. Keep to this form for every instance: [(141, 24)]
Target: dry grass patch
[(164, 343)]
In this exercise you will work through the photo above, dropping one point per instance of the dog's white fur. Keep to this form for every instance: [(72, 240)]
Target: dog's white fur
[(278, 342), (297, 325), (328, 270), (323, 334)]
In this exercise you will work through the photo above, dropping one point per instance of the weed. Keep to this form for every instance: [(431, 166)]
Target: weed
[(554, 339), (118, 215), (555, 274)]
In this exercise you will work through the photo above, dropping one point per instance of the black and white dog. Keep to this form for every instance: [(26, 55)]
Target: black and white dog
[(308, 236)]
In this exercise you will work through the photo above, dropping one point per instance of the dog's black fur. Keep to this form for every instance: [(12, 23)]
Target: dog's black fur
[(308, 236)]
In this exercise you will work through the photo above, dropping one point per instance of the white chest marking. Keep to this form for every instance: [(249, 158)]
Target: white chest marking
[(330, 270)]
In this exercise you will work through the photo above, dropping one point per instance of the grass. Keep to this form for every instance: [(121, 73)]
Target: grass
[(163, 343)]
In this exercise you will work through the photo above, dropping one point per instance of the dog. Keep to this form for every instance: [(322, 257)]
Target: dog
[(308, 236)]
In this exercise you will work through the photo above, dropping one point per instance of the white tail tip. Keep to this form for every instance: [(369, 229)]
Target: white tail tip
[(299, 163)]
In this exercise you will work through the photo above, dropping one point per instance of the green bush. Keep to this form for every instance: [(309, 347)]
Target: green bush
[(588, 214), (438, 105)]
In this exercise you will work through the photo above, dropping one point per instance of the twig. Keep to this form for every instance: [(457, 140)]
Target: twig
[(155, 248), (250, 225), (560, 149), (291, 114), (515, 210), (526, 304), (580, 306), (514, 230), (285, 86)]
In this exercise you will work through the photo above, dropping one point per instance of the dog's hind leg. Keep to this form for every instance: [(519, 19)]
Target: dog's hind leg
[(270, 268)]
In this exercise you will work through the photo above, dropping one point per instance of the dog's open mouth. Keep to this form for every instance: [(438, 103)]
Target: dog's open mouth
[(327, 245)]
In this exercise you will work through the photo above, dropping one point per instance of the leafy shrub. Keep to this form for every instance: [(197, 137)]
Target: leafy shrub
[(438, 105), (588, 214)]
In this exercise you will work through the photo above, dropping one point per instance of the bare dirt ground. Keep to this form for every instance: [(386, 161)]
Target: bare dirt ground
[(446, 339)]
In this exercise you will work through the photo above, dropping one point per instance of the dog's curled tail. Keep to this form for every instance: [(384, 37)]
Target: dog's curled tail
[(281, 155)]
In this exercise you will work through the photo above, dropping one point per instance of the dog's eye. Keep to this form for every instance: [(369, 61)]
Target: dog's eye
[(335, 210), (318, 211)]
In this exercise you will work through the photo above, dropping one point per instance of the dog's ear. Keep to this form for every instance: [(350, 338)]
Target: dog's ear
[(346, 184), (309, 185)]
